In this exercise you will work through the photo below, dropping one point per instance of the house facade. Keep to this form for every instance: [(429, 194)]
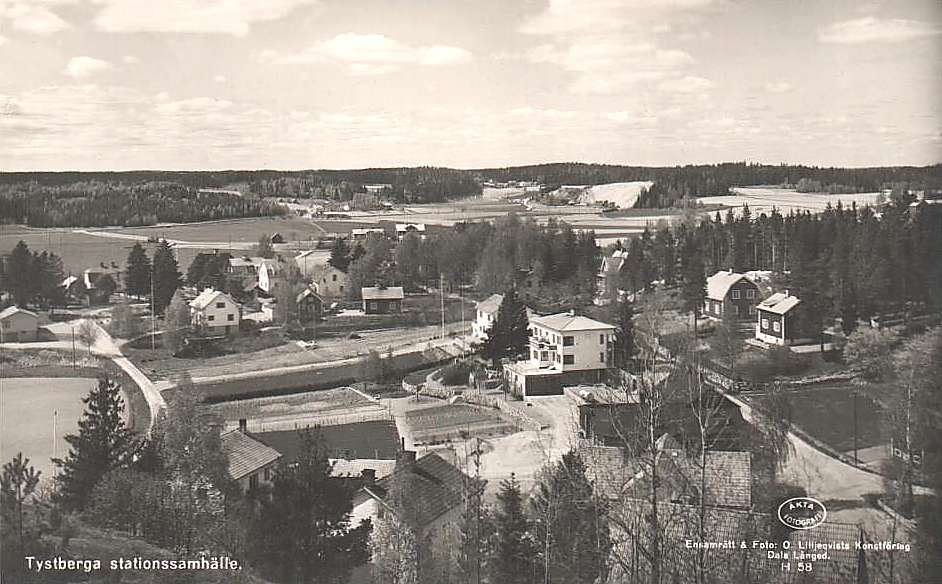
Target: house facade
[(310, 306), (486, 316), (363, 234), (18, 325), (779, 321), (215, 313), (382, 300), (730, 297), (610, 268), (564, 349), (267, 271), (403, 229), (330, 282)]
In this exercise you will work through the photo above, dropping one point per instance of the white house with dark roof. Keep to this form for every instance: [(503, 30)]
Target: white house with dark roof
[(778, 320), (486, 315), (215, 312), (403, 229), (251, 462), (18, 325), (730, 296), (564, 349)]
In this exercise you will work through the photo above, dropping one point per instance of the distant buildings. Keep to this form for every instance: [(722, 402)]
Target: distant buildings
[(18, 325), (403, 229), (610, 268), (486, 316), (215, 313), (730, 297), (382, 300), (363, 234), (779, 319), (565, 349)]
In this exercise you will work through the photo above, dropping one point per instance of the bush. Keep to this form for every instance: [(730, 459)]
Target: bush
[(456, 374)]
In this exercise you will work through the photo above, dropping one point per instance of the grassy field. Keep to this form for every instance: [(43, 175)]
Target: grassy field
[(827, 413), (456, 421)]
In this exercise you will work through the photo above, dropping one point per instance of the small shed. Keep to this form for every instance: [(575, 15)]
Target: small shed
[(18, 325), (382, 300)]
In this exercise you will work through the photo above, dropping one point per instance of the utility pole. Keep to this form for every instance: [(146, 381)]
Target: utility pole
[(153, 315), (441, 288), (55, 432), (73, 346), (856, 460)]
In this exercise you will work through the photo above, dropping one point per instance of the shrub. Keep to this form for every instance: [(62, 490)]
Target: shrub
[(456, 374)]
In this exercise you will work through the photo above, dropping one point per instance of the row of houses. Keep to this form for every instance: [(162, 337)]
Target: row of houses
[(735, 298)]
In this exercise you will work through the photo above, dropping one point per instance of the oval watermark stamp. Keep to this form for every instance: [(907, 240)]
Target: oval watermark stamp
[(802, 513)]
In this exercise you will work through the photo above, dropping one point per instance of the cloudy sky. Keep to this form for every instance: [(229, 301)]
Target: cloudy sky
[(210, 84)]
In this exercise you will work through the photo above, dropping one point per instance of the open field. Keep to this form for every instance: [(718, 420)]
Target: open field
[(36, 414), (623, 194), (450, 421), (763, 199), (827, 414)]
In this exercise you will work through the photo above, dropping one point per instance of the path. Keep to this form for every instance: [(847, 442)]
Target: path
[(105, 346)]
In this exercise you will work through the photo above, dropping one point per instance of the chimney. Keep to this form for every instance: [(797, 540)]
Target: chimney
[(786, 292), (407, 459), (243, 425), (368, 475)]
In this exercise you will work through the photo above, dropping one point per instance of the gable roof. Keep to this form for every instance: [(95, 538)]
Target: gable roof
[(727, 478), (779, 303), (491, 305), (206, 297), (566, 321), (306, 293), (435, 486), (246, 454), (719, 283), (341, 467), (609, 469), (321, 271), (390, 293), (11, 310), (373, 439)]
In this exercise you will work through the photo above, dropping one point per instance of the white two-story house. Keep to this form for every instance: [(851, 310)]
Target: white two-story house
[(486, 316), (215, 313), (565, 349)]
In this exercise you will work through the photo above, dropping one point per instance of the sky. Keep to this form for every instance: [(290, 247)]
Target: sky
[(295, 84)]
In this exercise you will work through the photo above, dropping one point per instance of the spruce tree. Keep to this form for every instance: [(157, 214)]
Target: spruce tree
[(340, 255), (513, 556), (624, 333), (509, 336), (137, 272), (103, 444), (571, 534), (18, 274), (166, 274)]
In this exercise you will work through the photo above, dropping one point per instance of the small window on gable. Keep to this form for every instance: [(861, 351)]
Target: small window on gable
[(220, 305), (750, 294), (736, 295), (334, 277)]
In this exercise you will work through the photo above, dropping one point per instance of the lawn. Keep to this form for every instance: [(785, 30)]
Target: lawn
[(827, 414), (36, 413), (456, 421)]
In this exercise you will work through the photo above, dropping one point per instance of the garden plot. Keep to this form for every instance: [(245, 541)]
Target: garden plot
[(456, 421)]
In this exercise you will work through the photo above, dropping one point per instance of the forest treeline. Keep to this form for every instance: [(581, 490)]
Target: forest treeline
[(98, 203), (72, 199)]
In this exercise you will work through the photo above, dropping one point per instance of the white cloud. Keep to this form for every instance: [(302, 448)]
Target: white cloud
[(778, 87), (233, 17), (872, 29), (130, 60), (33, 18), (219, 78), (688, 84), (371, 54), (84, 66), (194, 106)]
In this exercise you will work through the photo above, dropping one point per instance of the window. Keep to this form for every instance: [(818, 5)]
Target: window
[(211, 317), (777, 326), (230, 317), (333, 277), (544, 356), (268, 474), (372, 305), (253, 481), (765, 323), (569, 359), (601, 357), (601, 339), (752, 309), (751, 294), (736, 294), (220, 305), (341, 288), (6, 324), (736, 309), (719, 308), (536, 355), (567, 341)]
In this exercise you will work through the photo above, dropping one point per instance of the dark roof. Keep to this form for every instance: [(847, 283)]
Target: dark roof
[(727, 478), (307, 292), (391, 293), (376, 439), (246, 454), (434, 486)]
